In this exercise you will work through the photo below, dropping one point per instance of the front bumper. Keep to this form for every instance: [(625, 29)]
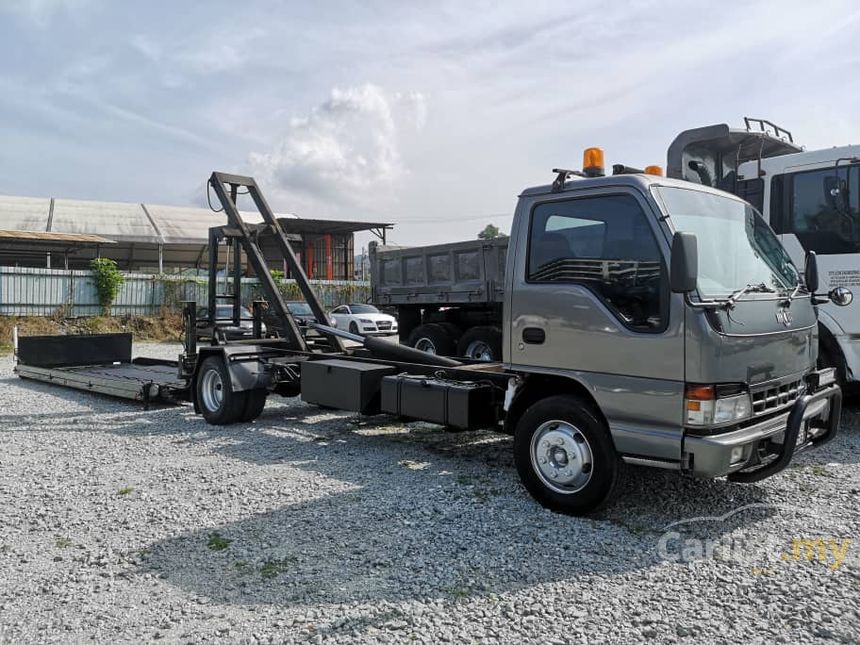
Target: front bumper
[(378, 332), (769, 446)]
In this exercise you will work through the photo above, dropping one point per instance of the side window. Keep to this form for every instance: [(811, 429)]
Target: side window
[(821, 208), (752, 190), (605, 244), (339, 310)]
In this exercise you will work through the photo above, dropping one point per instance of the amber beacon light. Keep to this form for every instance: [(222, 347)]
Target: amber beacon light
[(592, 162), (654, 170)]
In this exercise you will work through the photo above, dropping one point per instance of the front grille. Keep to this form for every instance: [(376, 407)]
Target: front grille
[(773, 396), (383, 324)]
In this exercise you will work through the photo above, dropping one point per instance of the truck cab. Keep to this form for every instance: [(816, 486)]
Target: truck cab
[(811, 199), (667, 313)]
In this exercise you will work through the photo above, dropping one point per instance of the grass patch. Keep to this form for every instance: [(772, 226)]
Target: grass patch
[(162, 327), (274, 568), (64, 542), (217, 542), (125, 490), (458, 592)]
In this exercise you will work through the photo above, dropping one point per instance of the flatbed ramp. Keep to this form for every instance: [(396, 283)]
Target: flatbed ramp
[(100, 363)]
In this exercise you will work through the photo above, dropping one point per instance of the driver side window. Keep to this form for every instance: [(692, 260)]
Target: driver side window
[(605, 244)]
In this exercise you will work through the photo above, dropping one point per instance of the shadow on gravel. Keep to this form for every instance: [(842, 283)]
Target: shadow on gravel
[(429, 514)]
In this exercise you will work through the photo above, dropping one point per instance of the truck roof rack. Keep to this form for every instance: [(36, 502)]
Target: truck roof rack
[(562, 175), (768, 127)]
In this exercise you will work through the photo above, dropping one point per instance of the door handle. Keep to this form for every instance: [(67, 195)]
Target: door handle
[(534, 335)]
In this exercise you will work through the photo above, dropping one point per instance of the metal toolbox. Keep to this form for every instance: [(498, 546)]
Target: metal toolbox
[(463, 405), (346, 385)]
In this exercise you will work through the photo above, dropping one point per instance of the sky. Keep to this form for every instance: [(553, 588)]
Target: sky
[(433, 116)]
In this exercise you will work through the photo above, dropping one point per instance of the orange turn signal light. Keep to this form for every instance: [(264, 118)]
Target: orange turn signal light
[(654, 170), (592, 162), (700, 393)]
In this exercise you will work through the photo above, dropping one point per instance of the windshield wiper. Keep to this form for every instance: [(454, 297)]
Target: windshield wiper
[(761, 287)]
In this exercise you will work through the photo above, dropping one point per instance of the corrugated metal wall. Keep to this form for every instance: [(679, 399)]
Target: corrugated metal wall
[(47, 292)]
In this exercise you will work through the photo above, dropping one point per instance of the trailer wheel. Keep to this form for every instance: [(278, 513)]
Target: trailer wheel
[(481, 344), (565, 456), (433, 339), (219, 404), (255, 401)]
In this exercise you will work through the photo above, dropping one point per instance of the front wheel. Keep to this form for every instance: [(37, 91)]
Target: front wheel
[(565, 456)]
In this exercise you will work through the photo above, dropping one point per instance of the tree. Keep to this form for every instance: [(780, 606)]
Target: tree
[(490, 232)]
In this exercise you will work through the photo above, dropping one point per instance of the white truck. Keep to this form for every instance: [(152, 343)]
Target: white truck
[(811, 198)]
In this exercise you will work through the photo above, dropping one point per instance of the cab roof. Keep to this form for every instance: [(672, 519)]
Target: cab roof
[(638, 180)]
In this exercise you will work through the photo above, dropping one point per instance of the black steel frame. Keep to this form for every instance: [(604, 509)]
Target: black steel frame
[(240, 234)]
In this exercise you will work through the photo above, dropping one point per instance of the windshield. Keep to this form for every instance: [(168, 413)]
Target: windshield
[(364, 309), (226, 312), (736, 247), (300, 309)]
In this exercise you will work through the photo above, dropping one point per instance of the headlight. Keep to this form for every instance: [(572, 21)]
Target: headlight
[(715, 405), (365, 321)]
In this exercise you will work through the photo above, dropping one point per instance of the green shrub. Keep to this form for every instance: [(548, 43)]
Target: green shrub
[(108, 279)]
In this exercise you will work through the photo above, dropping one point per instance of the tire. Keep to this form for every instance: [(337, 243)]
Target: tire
[(584, 439), (432, 338), (454, 332), (353, 328), (255, 401), (219, 404), (481, 343), (830, 356)]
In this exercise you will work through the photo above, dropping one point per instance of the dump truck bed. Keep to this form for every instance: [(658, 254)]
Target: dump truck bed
[(470, 272)]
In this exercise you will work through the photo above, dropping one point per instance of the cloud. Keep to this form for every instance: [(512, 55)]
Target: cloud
[(41, 12), (345, 149)]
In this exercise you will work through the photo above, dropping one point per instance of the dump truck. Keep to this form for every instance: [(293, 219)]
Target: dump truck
[(624, 341), (447, 297)]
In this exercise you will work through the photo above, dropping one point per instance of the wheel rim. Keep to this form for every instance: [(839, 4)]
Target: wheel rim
[(212, 390), (561, 457), (479, 350), (426, 345)]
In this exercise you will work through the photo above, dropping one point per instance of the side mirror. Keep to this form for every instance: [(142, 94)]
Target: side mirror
[(810, 274), (841, 296), (684, 267)]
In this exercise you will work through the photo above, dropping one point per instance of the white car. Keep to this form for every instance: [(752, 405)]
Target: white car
[(366, 320)]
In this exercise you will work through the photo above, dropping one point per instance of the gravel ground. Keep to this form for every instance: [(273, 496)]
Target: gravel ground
[(123, 525)]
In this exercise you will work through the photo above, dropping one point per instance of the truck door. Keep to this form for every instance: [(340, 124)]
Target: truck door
[(589, 299), (819, 210)]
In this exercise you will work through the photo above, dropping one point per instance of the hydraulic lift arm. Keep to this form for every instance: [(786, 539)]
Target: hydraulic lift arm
[(220, 182)]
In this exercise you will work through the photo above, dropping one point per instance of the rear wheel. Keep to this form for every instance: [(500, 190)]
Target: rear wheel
[(565, 457), (481, 344), (433, 339), (218, 403), (255, 401)]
